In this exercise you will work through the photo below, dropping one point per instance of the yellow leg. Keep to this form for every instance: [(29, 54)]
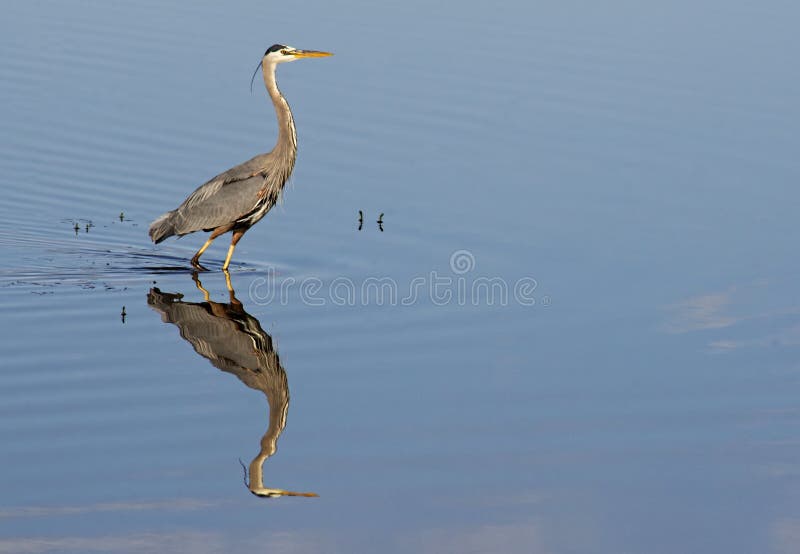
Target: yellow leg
[(196, 257), (236, 236), (217, 232), (231, 248)]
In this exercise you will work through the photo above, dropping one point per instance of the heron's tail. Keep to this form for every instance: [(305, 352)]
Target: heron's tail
[(163, 227)]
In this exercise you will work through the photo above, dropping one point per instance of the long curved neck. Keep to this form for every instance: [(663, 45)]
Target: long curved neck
[(287, 135)]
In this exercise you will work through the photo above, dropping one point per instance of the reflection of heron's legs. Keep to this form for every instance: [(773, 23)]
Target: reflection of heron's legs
[(228, 281), (236, 236), (231, 292), (199, 286)]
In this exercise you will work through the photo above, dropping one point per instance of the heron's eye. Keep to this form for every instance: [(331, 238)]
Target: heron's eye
[(285, 52)]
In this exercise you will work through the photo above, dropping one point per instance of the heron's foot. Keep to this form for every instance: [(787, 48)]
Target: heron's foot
[(197, 265)]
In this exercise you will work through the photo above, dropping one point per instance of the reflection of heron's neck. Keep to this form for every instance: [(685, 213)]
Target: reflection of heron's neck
[(278, 408), (278, 398)]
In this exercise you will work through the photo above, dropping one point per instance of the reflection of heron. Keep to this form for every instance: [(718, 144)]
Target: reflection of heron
[(234, 342), (238, 198)]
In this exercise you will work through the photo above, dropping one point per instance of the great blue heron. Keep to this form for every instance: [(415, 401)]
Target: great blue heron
[(238, 198)]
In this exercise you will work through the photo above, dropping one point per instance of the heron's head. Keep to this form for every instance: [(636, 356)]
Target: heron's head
[(280, 53)]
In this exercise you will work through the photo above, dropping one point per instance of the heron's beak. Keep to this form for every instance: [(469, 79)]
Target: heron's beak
[(310, 54)]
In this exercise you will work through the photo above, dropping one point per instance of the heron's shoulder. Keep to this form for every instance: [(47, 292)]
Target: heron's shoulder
[(244, 170)]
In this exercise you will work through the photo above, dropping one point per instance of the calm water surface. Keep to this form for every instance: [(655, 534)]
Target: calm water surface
[(621, 177)]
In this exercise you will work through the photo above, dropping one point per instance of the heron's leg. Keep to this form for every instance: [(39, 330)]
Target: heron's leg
[(217, 232), (196, 257), (236, 236)]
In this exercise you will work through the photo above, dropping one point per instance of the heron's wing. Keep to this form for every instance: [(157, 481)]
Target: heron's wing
[(224, 199)]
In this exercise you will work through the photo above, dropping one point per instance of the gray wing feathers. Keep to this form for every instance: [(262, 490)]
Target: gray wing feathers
[(224, 204), (224, 199)]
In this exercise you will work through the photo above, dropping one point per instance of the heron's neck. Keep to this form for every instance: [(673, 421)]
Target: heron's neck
[(287, 135)]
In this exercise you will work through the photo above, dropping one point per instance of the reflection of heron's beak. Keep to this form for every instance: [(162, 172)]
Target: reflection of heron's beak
[(309, 54), (275, 493)]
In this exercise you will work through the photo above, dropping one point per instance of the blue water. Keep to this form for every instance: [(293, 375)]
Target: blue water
[(575, 331)]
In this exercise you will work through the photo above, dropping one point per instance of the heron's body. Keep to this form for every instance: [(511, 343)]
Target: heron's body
[(238, 198)]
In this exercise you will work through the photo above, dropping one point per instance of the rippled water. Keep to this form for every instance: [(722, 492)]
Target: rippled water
[(576, 329)]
